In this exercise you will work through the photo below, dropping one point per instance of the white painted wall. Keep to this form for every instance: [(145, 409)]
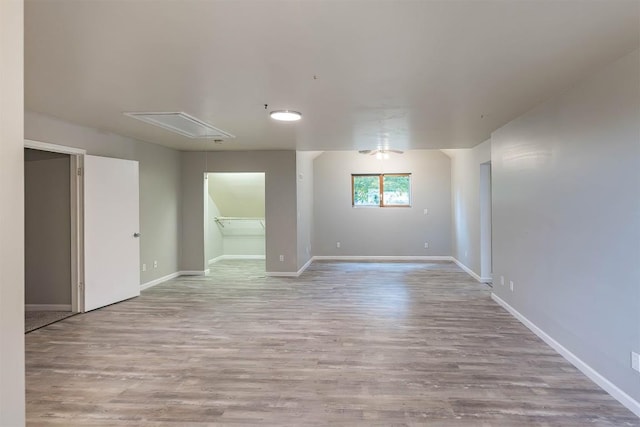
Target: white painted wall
[(159, 185), (238, 194), (12, 385), (239, 246), (305, 200), (566, 209), (280, 207), (486, 264), (465, 203), (214, 244), (47, 228), (382, 231)]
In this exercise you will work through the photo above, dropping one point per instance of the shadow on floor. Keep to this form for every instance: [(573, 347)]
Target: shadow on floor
[(39, 319)]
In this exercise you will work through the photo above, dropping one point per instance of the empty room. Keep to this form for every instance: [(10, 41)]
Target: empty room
[(312, 213)]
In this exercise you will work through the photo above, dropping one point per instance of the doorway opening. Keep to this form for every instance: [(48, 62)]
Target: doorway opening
[(52, 235), (235, 227), (75, 219), (486, 263)]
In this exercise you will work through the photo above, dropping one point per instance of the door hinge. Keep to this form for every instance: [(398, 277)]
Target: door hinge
[(79, 171)]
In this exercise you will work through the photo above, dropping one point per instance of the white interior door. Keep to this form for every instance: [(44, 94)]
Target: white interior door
[(111, 220)]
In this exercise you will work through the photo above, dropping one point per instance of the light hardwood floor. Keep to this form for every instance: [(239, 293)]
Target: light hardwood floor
[(349, 344)]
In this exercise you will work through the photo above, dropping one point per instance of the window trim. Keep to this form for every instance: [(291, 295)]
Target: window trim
[(380, 176)]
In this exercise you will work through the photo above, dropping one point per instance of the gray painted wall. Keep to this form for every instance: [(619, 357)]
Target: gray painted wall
[(159, 184), (382, 231), (47, 229), (566, 209), (465, 202), (280, 208)]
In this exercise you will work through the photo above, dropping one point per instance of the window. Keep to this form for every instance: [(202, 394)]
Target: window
[(382, 190)]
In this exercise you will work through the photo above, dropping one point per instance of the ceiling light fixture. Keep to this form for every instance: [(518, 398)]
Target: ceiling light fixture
[(285, 115)]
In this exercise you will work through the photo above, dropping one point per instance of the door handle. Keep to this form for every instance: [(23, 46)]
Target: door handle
[(137, 234)]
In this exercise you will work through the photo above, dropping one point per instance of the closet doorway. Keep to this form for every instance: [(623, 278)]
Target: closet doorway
[(235, 221), (51, 234), (77, 207)]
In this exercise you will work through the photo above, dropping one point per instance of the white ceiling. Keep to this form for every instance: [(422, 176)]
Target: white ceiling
[(410, 74)]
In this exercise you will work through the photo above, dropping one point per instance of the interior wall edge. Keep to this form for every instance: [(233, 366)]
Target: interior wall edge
[(12, 354)]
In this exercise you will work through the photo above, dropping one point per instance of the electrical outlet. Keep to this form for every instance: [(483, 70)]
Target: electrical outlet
[(281, 258), (337, 244), (426, 211), (502, 280), (511, 285), (426, 245), (144, 267), (155, 264), (635, 361)]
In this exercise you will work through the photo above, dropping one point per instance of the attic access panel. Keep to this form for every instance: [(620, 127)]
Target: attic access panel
[(182, 123)]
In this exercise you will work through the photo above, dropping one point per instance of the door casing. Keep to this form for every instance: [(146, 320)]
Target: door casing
[(76, 156)]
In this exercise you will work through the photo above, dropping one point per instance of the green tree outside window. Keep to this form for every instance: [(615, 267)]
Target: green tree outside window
[(382, 190)]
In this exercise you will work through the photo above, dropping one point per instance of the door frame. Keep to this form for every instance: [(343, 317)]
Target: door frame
[(76, 239), (209, 262)]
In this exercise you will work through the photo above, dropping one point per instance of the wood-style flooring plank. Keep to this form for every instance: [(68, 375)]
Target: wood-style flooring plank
[(345, 344)]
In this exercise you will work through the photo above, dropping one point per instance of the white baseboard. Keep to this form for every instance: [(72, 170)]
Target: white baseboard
[(290, 273), (193, 272), (242, 257), (223, 257), (305, 266), (216, 259), (470, 272), (159, 280), (47, 307), (381, 258), (608, 386), (173, 276)]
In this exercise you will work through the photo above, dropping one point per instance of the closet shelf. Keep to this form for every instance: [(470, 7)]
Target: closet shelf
[(246, 226)]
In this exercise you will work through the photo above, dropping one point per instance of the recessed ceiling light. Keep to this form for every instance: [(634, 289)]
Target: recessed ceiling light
[(181, 123), (285, 115)]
